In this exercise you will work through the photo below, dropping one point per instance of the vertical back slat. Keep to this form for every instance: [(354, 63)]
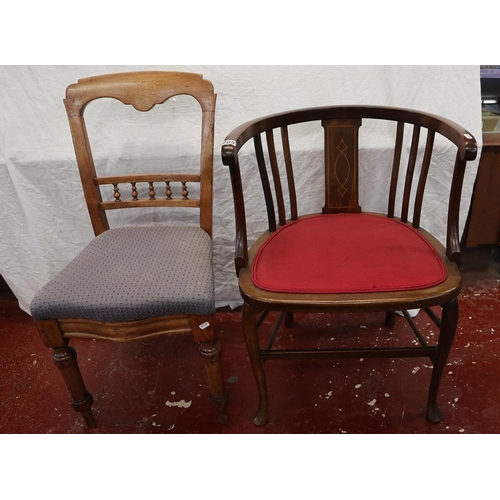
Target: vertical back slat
[(276, 176), (423, 178), (289, 173), (261, 162), (395, 168), (409, 172)]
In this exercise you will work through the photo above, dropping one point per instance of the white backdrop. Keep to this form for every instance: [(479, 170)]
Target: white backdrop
[(44, 222)]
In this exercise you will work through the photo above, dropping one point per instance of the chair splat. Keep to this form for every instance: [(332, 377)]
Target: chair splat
[(341, 166)]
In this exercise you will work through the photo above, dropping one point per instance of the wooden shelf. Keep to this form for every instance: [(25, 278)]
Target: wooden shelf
[(483, 225), (491, 139)]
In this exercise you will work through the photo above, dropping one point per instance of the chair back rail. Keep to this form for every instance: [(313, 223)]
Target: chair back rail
[(143, 90), (341, 124)]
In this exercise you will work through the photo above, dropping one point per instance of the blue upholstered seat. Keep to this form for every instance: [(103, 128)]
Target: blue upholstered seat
[(133, 273)]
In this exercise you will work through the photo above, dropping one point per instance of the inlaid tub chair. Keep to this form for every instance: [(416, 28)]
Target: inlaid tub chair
[(341, 259), (137, 282)]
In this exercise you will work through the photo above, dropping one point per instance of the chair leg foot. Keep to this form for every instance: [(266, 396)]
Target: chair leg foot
[(253, 348), (220, 404), (434, 414), (81, 400), (88, 418), (210, 351), (449, 323), (261, 417)]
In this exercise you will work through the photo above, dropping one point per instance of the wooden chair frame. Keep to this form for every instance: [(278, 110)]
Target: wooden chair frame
[(341, 123), (142, 90)]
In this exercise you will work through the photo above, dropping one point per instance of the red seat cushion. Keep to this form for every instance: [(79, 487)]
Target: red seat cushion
[(346, 253)]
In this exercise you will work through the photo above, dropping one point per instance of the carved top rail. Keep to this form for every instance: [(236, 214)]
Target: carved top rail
[(142, 90)]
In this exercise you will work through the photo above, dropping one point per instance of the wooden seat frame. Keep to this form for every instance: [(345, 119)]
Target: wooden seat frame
[(142, 90), (341, 126)]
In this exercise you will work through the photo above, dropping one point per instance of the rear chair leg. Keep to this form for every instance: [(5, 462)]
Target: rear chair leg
[(389, 319), (449, 323), (253, 348)]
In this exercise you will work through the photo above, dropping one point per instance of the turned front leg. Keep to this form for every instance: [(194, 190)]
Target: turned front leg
[(65, 359), (211, 354), (203, 330), (81, 400)]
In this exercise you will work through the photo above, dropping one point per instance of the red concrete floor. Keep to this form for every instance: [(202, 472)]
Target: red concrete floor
[(158, 386)]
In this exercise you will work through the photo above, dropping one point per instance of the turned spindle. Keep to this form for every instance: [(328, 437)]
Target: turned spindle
[(152, 192), (168, 190), (185, 191), (135, 194), (116, 192)]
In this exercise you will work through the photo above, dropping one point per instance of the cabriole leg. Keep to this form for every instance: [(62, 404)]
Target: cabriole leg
[(253, 348), (449, 323)]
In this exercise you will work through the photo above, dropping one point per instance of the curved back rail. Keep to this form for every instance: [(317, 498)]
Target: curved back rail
[(143, 90), (341, 125)]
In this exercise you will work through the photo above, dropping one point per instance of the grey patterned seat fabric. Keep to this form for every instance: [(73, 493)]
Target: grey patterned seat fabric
[(133, 273)]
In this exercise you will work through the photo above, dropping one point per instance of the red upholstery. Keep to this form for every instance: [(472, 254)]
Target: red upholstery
[(346, 253)]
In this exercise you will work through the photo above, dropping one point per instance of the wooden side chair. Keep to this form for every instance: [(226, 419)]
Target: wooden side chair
[(132, 283), (344, 260)]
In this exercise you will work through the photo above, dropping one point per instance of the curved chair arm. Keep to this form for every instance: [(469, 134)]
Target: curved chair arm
[(230, 158)]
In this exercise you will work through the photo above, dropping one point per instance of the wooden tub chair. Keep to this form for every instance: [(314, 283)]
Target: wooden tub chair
[(341, 259)]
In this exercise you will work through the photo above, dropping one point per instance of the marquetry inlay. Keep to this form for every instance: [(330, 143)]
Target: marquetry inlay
[(341, 166)]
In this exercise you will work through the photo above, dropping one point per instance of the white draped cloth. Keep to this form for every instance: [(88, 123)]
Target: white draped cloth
[(44, 221)]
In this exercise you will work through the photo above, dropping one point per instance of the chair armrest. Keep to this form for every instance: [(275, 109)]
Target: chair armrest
[(230, 158)]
